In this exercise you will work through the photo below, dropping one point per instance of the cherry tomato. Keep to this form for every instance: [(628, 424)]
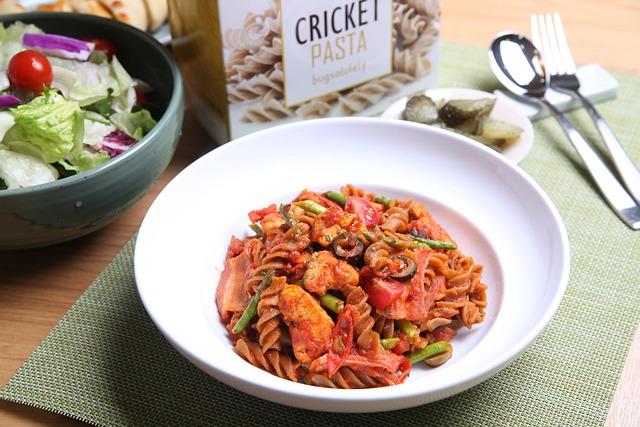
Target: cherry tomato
[(365, 210), (30, 70), (141, 98), (103, 45), (259, 214), (382, 293)]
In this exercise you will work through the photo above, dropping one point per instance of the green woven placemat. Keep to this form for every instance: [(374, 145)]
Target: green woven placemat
[(105, 362)]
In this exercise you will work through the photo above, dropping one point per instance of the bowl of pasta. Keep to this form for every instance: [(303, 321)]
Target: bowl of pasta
[(352, 265)]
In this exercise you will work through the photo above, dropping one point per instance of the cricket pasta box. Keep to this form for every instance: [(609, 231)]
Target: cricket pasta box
[(251, 64)]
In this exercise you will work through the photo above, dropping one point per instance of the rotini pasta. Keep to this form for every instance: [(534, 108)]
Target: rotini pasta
[(411, 63), (317, 107), (364, 96), (256, 32), (268, 324), (347, 290), (267, 110), (408, 24)]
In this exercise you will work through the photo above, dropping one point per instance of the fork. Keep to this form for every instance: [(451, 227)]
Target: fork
[(548, 35)]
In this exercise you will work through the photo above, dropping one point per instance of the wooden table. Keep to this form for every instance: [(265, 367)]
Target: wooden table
[(38, 286)]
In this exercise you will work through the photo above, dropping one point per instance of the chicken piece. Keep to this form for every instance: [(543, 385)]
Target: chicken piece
[(271, 224), (333, 222), (309, 325), (231, 296), (324, 271)]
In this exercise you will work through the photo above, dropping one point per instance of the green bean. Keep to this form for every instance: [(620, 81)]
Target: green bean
[(386, 201), (435, 244), (409, 329), (435, 349), (332, 302), (389, 343), (252, 308), (336, 197), (390, 241), (311, 206), (256, 229), (415, 242)]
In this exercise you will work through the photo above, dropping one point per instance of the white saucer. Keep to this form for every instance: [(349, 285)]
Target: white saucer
[(504, 110)]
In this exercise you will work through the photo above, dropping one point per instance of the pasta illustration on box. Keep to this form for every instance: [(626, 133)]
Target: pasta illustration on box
[(250, 65)]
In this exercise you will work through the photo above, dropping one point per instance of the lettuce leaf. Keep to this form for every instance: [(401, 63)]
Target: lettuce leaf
[(94, 133), (103, 106), (136, 125), (15, 31), (46, 126), (84, 160), (20, 170), (124, 79), (85, 82)]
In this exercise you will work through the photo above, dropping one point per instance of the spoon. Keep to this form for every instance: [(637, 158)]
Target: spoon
[(517, 64)]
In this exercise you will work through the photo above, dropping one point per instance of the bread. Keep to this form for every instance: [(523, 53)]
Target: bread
[(157, 11), (132, 12), (90, 7), (58, 6), (146, 15), (10, 6)]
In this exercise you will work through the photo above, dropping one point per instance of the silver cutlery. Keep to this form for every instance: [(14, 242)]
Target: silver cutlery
[(518, 66), (548, 35)]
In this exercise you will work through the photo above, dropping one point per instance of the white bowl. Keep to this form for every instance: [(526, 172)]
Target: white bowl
[(492, 209), (504, 110)]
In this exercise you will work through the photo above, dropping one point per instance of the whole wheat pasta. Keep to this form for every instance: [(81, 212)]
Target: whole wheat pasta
[(395, 219), (317, 107), (366, 95), (364, 335), (258, 86), (272, 361), (268, 324), (257, 31), (343, 297), (411, 63), (268, 110), (408, 24), (422, 45), (259, 62), (427, 8)]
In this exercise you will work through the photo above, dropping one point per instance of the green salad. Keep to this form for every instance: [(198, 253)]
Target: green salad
[(66, 106)]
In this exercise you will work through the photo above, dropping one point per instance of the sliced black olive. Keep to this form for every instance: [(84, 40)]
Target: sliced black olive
[(417, 233), (408, 268), (347, 245)]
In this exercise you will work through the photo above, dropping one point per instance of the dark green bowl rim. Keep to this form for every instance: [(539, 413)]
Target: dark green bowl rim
[(175, 102)]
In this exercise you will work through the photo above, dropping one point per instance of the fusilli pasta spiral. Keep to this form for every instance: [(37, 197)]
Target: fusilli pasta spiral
[(268, 324), (272, 361), (366, 95), (267, 110)]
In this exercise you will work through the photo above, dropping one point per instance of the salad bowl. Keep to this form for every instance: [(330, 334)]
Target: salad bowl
[(76, 205)]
